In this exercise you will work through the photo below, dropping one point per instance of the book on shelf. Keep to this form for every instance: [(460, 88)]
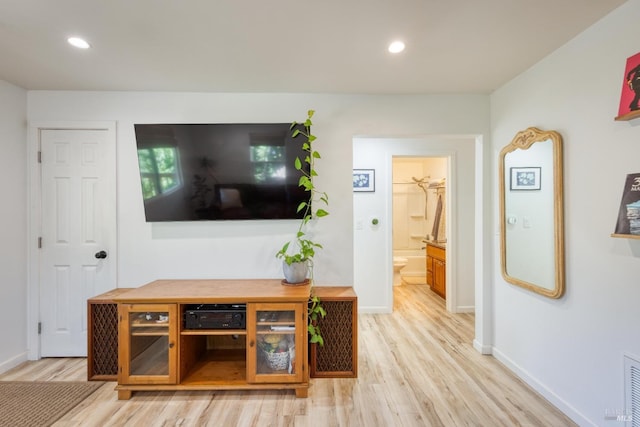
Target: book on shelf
[(629, 212)]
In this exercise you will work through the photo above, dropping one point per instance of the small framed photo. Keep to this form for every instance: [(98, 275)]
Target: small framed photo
[(364, 180), (525, 178)]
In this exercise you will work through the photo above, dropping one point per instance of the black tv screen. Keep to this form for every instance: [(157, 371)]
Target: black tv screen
[(194, 172)]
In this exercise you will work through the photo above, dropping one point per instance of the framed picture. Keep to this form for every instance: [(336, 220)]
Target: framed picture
[(525, 178), (630, 94), (364, 180)]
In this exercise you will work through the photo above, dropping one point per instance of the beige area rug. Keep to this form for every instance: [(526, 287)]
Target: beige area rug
[(40, 404)]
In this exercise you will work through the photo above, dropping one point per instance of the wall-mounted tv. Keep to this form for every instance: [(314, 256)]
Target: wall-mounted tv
[(194, 172)]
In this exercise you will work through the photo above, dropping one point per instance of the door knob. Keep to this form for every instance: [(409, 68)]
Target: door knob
[(101, 255)]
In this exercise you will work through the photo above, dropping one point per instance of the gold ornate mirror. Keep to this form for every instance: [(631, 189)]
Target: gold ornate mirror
[(531, 212)]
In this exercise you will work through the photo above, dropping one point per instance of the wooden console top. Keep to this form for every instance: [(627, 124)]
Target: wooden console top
[(219, 291)]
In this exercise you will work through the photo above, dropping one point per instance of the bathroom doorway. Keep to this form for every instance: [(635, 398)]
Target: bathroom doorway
[(419, 219)]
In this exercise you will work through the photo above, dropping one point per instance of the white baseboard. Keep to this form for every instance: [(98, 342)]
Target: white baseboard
[(541, 388), (416, 273), (482, 349), (13, 362), (466, 309), (373, 310)]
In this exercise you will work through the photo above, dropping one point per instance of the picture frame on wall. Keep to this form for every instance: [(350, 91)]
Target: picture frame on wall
[(629, 107), (525, 178), (364, 180)]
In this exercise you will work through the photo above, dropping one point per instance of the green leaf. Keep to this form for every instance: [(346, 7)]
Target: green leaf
[(316, 339), (312, 138), (295, 132), (321, 213), (316, 155), (298, 164), (301, 206), (305, 182)]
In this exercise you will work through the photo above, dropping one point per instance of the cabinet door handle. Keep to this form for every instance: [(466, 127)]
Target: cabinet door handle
[(251, 343), (171, 344)]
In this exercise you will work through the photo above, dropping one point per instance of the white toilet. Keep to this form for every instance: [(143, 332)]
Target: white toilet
[(398, 264)]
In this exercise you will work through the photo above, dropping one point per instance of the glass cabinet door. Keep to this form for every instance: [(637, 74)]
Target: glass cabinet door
[(147, 343), (277, 347)]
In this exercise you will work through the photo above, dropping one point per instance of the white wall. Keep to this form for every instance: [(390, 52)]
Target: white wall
[(572, 349), (147, 252), (13, 250)]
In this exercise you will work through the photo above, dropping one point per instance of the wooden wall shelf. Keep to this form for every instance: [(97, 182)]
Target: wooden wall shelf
[(629, 116), (626, 236)]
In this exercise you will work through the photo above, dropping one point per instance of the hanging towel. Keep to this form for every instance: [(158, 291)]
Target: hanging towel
[(436, 219)]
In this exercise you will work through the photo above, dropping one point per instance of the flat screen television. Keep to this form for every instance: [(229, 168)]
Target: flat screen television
[(195, 172)]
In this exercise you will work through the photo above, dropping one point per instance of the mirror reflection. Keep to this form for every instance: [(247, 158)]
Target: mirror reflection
[(531, 213)]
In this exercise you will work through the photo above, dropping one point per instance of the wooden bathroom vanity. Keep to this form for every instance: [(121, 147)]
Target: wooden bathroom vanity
[(437, 267), (158, 350)]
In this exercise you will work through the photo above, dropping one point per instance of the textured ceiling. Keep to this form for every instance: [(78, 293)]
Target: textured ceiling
[(328, 46)]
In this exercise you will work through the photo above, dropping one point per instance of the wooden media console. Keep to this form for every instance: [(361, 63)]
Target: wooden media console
[(157, 352)]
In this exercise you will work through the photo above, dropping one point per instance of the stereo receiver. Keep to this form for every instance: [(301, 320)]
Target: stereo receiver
[(215, 316)]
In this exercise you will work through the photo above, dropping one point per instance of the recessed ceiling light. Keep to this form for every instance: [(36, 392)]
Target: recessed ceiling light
[(396, 47), (78, 42)]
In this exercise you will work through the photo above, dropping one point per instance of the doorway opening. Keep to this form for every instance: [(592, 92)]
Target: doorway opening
[(419, 221)]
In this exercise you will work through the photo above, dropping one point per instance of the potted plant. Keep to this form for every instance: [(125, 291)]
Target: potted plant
[(297, 254), (298, 258)]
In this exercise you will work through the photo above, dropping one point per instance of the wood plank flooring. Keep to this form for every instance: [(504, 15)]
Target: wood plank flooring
[(417, 367)]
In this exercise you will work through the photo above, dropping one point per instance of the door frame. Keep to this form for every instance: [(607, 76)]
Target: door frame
[(34, 216)]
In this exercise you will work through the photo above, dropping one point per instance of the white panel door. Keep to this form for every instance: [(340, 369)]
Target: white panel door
[(78, 234)]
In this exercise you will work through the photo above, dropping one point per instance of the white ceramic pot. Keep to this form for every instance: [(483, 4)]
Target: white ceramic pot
[(296, 272)]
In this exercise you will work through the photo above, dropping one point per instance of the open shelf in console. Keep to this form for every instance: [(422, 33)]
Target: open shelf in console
[(216, 367), (214, 357)]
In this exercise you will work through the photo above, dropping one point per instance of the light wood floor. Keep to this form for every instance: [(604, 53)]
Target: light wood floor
[(417, 367)]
